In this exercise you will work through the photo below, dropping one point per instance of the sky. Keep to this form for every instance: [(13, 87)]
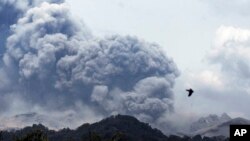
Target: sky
[(86, 60), (189, 32)]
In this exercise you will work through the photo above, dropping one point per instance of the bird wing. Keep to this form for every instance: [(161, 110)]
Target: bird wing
[(189, 94)]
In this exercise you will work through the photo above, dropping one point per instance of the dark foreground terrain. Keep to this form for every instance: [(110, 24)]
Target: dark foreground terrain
[(114, 128)]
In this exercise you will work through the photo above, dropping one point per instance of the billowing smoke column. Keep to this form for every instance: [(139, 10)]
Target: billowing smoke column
[(11, 10), (52, 61)]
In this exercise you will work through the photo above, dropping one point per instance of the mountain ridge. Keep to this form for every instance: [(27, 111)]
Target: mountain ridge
[(113, 128), (221, 128), (209, 121)]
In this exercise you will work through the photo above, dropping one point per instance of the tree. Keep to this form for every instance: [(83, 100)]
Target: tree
[(37, 135), (94, 137), (1, 135), (118, 136)]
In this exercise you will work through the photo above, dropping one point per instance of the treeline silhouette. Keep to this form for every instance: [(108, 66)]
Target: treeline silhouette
[(114, 128)]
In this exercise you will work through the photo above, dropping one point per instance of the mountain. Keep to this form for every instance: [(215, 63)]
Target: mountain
[(209, 121), (132, 128), (22, 120), (114, 128), (221, 128), (122, 126), (28, 119)]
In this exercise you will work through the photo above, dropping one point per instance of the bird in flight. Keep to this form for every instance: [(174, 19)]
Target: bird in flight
[(190, 92)]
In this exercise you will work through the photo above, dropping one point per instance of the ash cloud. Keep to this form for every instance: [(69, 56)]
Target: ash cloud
[(52, 61), (11, 11)]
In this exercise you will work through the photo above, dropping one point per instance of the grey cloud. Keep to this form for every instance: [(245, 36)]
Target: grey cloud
[(11, 11), (54, 62), (231, 52), (226, 85), (99, 93)]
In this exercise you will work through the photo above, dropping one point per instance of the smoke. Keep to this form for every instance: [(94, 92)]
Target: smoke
[(52, 61), (11, 11)]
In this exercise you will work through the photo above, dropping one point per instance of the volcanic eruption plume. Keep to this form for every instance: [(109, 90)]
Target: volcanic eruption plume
[(52, 61)]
